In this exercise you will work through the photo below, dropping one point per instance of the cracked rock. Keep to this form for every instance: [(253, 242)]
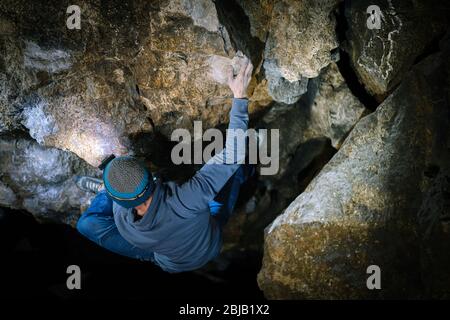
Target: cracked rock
[(41, 180), (381, 57), (362, 208), (134, 67), (329, 110), (301, 38)]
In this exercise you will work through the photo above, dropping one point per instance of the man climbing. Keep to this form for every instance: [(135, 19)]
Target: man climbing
[(179, 228)]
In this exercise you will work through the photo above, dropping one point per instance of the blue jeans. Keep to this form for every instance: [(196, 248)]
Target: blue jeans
[(223, 204), (97, 222)]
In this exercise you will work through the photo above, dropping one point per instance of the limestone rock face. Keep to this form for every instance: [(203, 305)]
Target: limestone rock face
[(133, 67), (310, 132), (292, 47), (284, 91), (329, 110), (363, 207), (381, 57), (293, 50), (139, 69), (41, 180)]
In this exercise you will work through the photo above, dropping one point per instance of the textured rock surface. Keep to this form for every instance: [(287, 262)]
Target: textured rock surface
[(434, 217), (328, 110), (382, 57), (284, 91), (363, 207), (310, 130), (138, 69), (41, 180), (259, 13), (134, 67), (293, 48), (299, 37)]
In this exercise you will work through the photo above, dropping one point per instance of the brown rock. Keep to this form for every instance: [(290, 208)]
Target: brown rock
[(362, 209)]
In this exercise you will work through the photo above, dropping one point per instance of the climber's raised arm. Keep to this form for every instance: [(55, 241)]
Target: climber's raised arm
[(195, 194)]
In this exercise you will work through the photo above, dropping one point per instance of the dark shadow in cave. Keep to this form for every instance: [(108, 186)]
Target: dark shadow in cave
[(35, 255), (305, 176), (432, 48), (233, 17), (155, 149), (35, 258), (289, 186)]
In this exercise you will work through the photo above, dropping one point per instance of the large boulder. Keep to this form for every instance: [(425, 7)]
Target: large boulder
[(293, 48), (134, 67), (329, 110), (409, 29), (41, 180), (373, 204), (283, 90), (310, 132), (299, 39)]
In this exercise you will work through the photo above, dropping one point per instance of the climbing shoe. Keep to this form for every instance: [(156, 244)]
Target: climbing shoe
[(89, 184)]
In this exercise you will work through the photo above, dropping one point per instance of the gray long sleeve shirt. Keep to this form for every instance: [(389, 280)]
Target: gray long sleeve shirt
[(178, 226)]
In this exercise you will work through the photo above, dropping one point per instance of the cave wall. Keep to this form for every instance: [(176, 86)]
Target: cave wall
[(362, 116), (366, 206), (136, 70), (42, 180)]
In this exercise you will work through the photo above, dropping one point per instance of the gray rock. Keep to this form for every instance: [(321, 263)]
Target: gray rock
[(363, 207), (328, 110), (7, 196), (289, 59), (42, 180), (134, 67), (37, 120), (202, 12), (293, 44), (382, 57), (282, 90), (49, 60)]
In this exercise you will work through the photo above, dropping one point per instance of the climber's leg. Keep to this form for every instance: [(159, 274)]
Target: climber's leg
[(223, 204), (97, 224)]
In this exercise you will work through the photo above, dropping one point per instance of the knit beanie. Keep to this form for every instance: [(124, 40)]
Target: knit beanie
[(128, 182)]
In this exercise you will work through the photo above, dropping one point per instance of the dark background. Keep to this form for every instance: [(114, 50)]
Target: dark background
[(35, 258)]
